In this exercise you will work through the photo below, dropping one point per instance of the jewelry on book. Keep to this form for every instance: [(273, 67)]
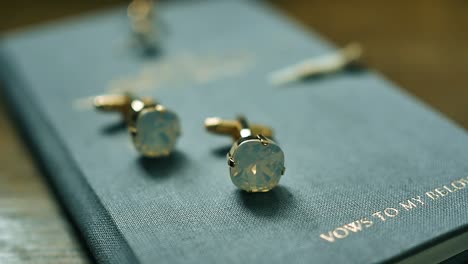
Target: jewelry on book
[(154, 128), (330, 63), (141, 14), (256, 162)]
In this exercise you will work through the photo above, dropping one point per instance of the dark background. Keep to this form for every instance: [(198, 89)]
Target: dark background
[(421, 45)]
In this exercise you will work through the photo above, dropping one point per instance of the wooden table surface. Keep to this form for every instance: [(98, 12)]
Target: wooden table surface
[(421, 45)]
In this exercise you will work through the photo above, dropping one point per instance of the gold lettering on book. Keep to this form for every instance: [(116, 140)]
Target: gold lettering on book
[(181, 70), (412, 203), (343, 231), (396, 212), (445, 190)]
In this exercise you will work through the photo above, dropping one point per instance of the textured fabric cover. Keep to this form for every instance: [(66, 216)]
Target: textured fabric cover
[(354, 144)]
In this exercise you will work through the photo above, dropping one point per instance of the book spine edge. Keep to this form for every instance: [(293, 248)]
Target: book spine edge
[(104, 240)]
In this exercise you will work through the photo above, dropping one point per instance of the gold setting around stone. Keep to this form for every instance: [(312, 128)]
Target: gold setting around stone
[(154, 128), (256, 162)]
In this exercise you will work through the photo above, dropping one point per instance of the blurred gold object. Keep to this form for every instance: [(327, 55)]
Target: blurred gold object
[(234, 127), (121, 103), (327, 64), (141, 15)]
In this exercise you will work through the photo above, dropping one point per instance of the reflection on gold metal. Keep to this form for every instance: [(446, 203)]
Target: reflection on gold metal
[(126, 104), (235, 127), (256, 162), (154, 129), (331, 63)]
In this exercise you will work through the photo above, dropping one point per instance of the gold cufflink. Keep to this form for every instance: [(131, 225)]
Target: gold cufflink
[(141, 14), (153, 127), (334, 62), (256, 162)]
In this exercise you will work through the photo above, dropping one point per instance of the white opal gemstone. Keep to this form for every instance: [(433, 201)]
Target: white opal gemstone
[(156, 132), (257, 167)]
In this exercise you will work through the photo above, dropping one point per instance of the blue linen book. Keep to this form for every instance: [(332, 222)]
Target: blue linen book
[(372, 175)]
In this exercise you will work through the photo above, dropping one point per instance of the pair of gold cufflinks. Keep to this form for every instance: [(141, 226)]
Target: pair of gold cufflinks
[(256, 162)]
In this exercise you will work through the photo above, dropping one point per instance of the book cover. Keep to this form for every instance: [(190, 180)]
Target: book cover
[(373, 175)]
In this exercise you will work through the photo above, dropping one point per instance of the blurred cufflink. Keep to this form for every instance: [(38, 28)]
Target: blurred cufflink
[(349, 55), (256, 162), (154, 128), (141, 14)]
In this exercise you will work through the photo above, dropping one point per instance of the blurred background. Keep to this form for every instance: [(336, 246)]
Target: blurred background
[(420, 45)]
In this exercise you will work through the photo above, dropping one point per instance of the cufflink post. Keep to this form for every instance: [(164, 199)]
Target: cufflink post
[(327, 64), (238, 128)]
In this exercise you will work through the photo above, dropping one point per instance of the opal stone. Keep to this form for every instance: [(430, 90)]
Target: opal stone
[(156, 132), (257, 167)]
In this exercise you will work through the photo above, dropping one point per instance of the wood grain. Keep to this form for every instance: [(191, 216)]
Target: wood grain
[(33, 229), (419, 44)]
